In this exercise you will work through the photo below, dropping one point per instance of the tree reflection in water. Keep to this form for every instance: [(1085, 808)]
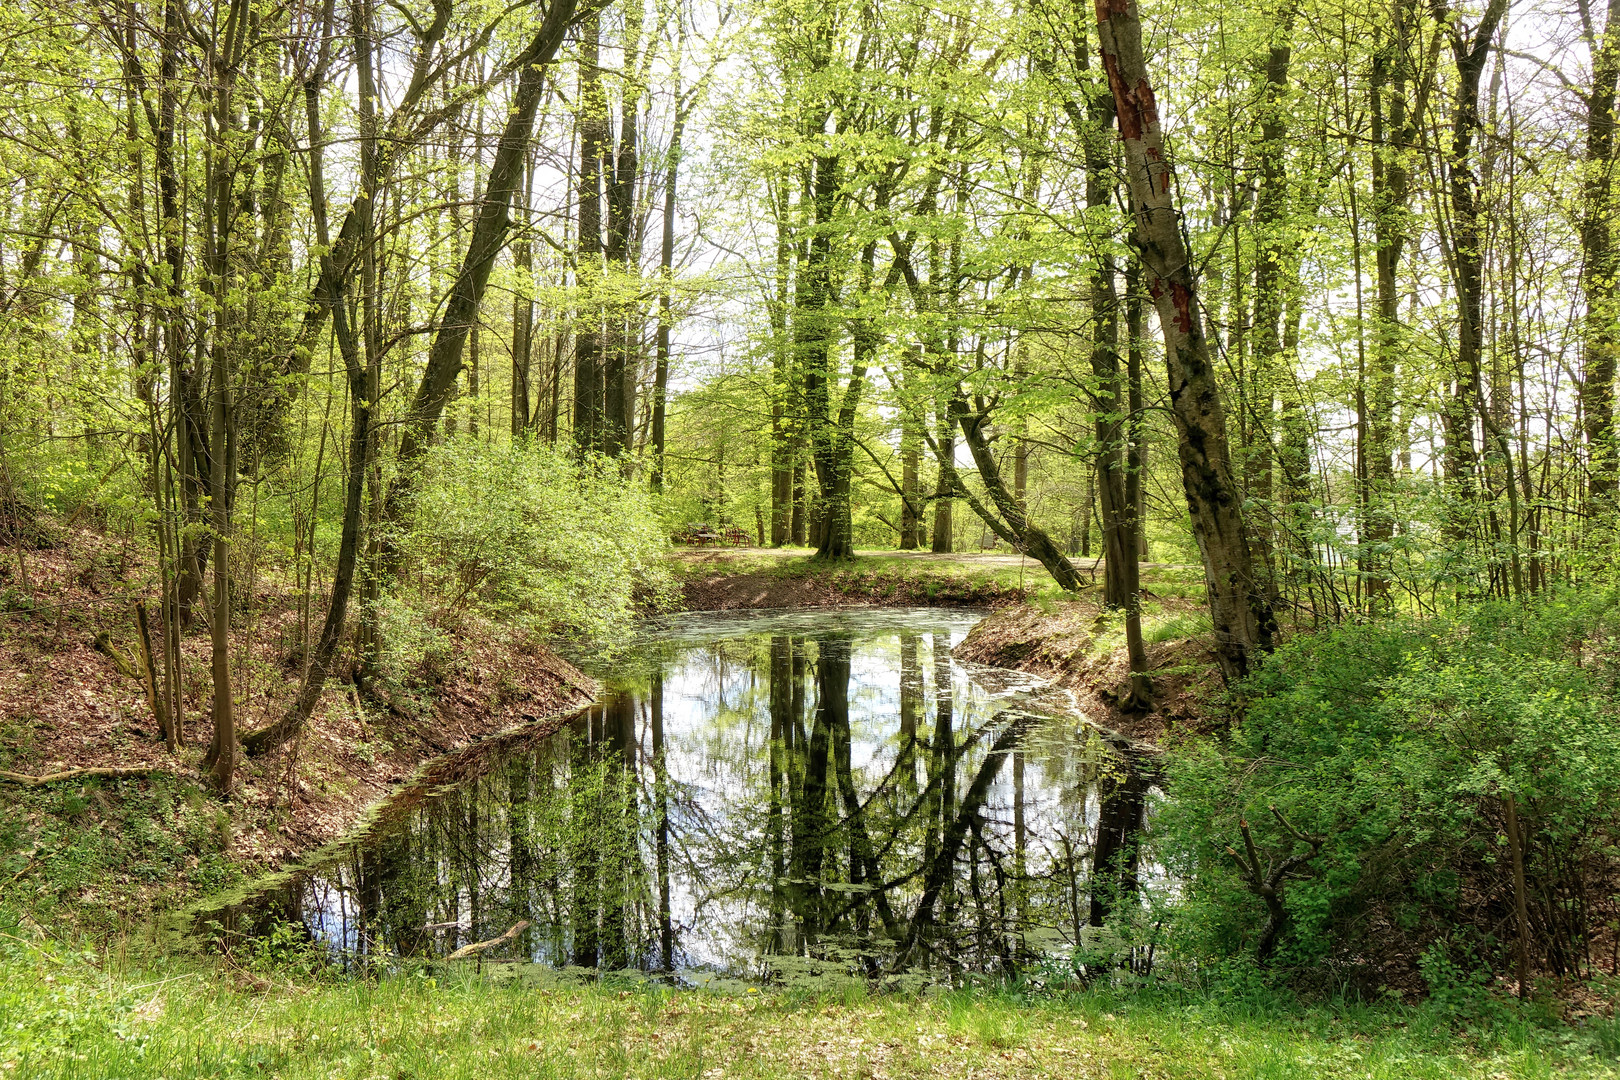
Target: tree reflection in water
[(775, 800)]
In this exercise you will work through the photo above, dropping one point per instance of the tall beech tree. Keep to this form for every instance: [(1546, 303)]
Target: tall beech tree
[(1243, 621), (1600, 270)]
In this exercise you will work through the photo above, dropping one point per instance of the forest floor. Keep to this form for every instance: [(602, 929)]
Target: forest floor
[(94, 854)]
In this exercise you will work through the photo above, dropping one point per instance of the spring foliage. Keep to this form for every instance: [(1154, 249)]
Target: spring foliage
[(524, 534), (1399, 742)]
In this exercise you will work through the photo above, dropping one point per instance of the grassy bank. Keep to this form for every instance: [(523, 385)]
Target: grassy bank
[(90, 860), (61, 1018)]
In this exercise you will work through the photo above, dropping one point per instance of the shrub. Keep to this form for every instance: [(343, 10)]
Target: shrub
[(1397, 744), (524, 534)]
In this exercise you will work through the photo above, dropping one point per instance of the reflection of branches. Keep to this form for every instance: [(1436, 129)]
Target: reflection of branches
[(921, 801), (1070, 861), (951, 843), (896, 828), (1001, 892)]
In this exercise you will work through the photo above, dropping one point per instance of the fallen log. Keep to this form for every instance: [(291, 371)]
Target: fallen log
[(115, 772), (480, 946)]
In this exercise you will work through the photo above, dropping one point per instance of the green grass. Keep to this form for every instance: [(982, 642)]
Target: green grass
[(1176, 626), (90, 858), (60, 1018)]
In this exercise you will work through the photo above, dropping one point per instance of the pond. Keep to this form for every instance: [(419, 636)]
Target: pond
[(756, 796)]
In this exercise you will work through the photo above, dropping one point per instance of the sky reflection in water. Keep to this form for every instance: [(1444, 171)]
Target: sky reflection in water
[(780, 795)]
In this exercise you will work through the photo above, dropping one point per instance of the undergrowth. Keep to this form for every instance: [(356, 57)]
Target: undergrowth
[(61, 1016), (94, 855)]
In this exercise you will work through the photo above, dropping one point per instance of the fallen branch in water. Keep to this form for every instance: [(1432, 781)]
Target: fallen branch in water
[(116, 772), (479, 946)]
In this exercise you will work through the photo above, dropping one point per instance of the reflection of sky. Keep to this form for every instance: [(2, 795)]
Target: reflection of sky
[(717, 727)]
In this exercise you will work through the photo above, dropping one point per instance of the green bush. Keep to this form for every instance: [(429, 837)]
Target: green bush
[(1397, 744), (525, 535)]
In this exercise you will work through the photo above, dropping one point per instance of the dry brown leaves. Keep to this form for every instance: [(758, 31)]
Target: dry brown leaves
[(64, 706)]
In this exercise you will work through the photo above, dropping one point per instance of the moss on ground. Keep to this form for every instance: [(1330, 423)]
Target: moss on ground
[(90, 859)]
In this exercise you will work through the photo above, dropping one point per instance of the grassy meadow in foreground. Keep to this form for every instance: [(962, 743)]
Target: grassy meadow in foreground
[(64, 1019)]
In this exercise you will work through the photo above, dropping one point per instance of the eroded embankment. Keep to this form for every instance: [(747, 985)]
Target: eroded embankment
[(1081, 649), (727, 581), (95, 850)]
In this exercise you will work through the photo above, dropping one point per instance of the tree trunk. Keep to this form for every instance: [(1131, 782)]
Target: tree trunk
[(1468, 237), (666, 320), (222, 440), (1116, 426), (184, 404), (910, 512), (523, 310), (1239, 608), (835, 451), (1599, 277), (1005, 516), (814, 330), (590, 423), (1394, 123), (488, 237), (1521, 912), (1134, 525), (619, 359), (944, 488), (1272, 284), (358, 373)]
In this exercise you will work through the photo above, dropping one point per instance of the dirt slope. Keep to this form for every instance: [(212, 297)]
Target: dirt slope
[(1067, 643), (64, 705), (732, 579)]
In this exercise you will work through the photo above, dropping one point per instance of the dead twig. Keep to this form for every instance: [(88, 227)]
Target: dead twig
[(33, 860)]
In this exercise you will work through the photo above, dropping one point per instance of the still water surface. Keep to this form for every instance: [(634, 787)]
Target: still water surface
[(779, 796)]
